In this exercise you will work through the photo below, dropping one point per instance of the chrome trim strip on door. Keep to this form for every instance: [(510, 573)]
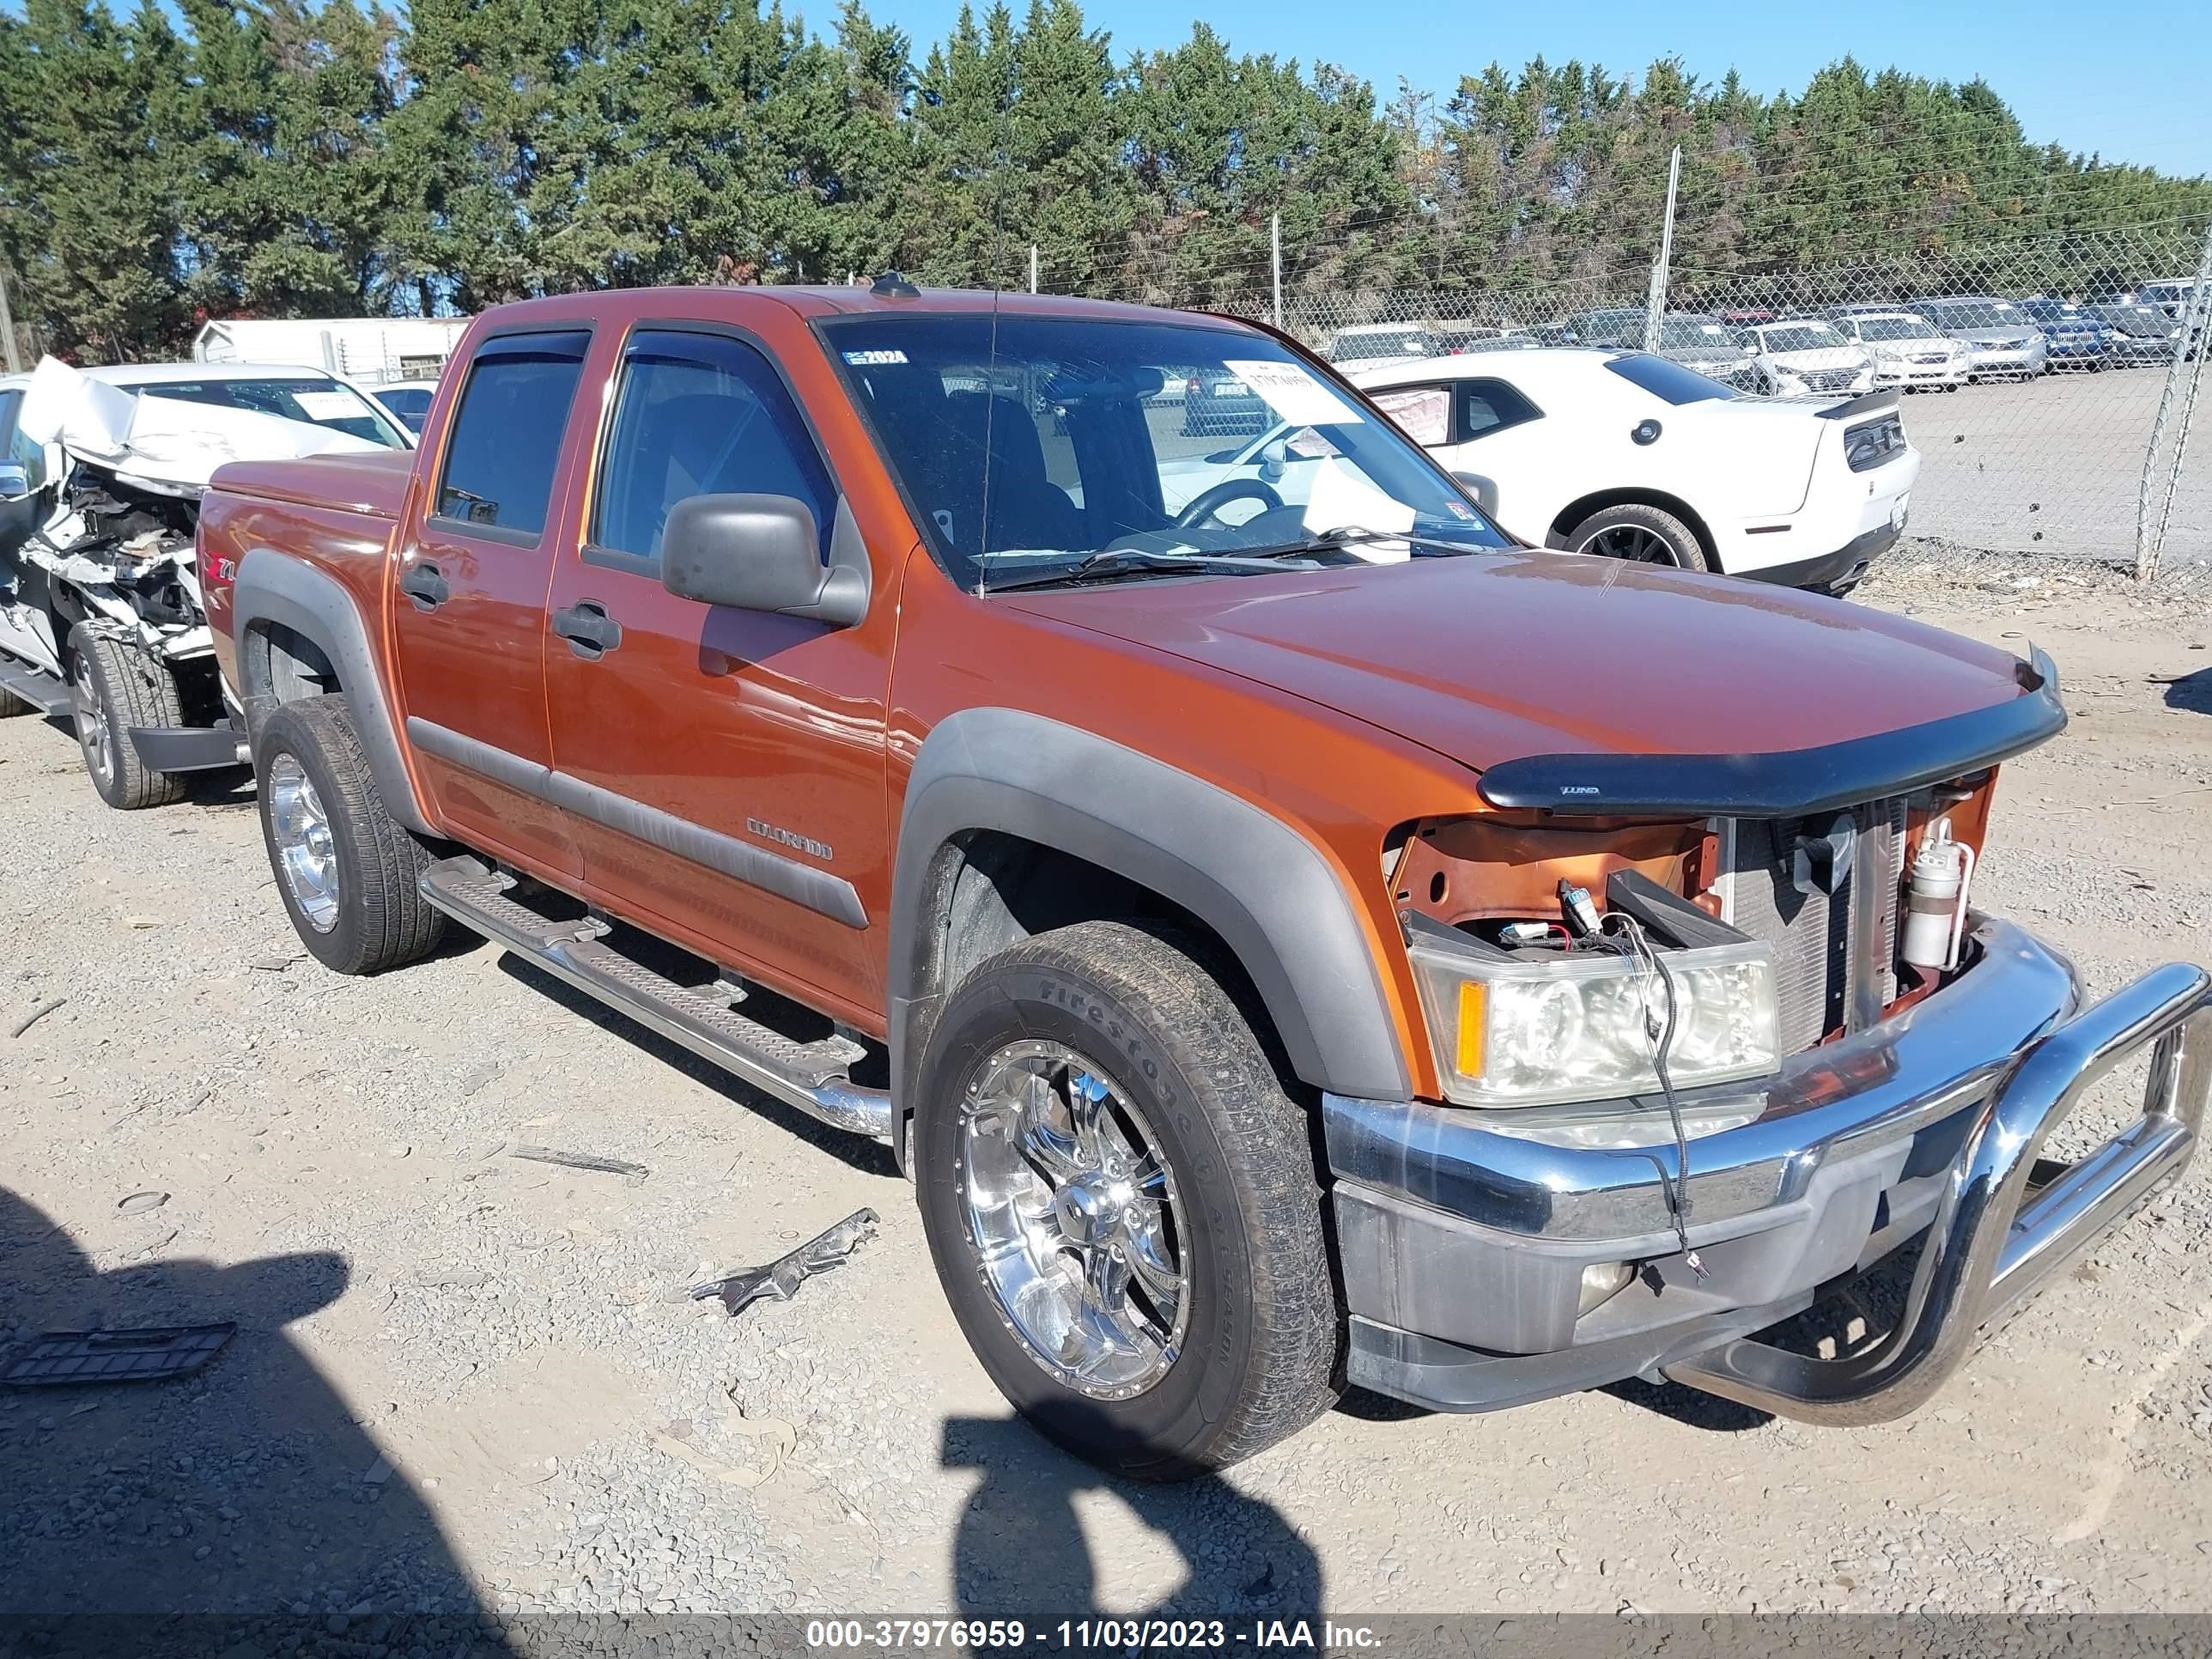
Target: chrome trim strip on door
[(756, 866)]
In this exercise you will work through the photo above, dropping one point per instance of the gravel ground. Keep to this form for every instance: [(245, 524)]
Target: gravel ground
[(467, 1381)]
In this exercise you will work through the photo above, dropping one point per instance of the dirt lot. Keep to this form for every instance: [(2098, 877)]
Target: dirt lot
[(461, 1380)]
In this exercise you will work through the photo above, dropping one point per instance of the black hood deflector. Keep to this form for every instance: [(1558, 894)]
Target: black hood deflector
[(1795, 783)]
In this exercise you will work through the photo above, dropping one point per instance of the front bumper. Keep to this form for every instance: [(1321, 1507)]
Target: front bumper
[(2019, 360), (1463, 1247)]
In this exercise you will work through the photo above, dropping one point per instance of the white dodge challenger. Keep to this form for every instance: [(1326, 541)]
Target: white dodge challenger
[(1630, 456)]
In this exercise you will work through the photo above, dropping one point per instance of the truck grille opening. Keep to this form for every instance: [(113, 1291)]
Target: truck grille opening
[(1831, 921)]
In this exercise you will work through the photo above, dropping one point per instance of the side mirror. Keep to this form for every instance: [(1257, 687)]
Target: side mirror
[(762, 553), (14, 481), (1274, 460), (1484, 490)]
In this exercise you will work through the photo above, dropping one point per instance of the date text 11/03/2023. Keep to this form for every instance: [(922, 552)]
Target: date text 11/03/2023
[(1113, 1635)]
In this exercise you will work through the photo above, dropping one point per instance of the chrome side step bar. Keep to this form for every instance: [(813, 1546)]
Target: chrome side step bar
[(810, 1076), (49, 696)]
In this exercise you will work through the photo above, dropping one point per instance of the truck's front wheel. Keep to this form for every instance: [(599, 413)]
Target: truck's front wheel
[(347, 870), (1120, 1198)]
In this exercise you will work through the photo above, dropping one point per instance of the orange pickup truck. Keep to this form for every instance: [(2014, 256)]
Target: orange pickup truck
[(1290, 934)]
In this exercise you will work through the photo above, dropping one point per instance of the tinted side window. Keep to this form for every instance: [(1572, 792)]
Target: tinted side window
[(701, 414), (507, 435), (1486, 406)]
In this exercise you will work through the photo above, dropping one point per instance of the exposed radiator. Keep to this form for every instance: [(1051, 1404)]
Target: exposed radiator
[(1817, 959)]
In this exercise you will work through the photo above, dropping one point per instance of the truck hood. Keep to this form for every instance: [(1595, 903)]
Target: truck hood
[(1490, 658)]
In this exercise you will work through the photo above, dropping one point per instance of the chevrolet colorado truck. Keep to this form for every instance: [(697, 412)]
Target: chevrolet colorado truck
[(1292, 937)]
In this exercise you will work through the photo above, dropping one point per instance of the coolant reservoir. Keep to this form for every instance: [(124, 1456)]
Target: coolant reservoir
[(1936, 900)]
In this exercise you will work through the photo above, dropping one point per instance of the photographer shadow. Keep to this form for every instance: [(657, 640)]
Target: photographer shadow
[(240, 1507), (1019, 1550)]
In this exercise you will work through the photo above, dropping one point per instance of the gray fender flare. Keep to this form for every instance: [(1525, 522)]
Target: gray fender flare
[(1264, 887), (274, 587)]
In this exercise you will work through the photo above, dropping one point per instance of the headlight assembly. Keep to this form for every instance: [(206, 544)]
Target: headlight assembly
[(1533, 1028)]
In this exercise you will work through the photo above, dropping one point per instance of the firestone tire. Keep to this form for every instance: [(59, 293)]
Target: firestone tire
[(1639, 534), (114, 686), (1187, 1080), (346, 870)]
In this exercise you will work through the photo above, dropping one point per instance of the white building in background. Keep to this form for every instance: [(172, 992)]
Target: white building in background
[(368, 350)]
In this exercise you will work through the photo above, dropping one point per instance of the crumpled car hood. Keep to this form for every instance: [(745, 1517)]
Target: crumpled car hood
[(1494, 657), (160, 443)]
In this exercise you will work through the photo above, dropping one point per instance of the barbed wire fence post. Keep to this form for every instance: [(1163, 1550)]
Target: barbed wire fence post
[(2191, 346), (1655, 305)]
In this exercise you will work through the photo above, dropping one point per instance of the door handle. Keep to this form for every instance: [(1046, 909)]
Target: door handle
[(591, 632), (425, 584)]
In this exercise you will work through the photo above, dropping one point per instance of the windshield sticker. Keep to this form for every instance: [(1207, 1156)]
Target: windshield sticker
[(328, 405), (1292, 392), (1343, 500), (874, 359)]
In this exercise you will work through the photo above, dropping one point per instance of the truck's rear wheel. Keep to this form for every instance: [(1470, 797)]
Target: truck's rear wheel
[(346, 870), (1120, 1201), (114, 686)]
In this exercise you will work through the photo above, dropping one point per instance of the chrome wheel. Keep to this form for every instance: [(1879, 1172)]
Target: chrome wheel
[(1632, 542), (93, 731), (304, 850), (1073, 1217)]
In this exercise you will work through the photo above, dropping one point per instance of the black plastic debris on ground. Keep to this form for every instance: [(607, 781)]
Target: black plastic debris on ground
[(776, 1281), (60, 1358)]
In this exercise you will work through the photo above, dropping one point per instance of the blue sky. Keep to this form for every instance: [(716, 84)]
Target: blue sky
[(2131, 82)]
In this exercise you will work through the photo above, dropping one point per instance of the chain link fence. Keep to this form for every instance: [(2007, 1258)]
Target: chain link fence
[(2051, 382)]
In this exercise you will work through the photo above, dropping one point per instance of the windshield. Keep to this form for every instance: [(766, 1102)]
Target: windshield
[(1801, 337), (1105, 438), (1977, 313), (293, 397), (2139, 319), (1894, 328), (1707, 336)]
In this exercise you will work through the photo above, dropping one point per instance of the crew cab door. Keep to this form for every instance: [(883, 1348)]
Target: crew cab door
[(726, 767), (469, 609)]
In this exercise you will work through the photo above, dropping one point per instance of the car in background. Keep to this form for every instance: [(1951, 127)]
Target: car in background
[(101, 589), (2076, 337), (1369, 342), (1621, 326), (1689, 338), (2139, 334), (2170, 295), (1707, 345), (1909, 352), (1792, 358), (407, 402), (1629, 455), (1217, 404), (1457, 341), (2002, 342)]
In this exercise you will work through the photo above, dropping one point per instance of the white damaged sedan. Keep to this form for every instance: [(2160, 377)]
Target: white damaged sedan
[(1627, 455)]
